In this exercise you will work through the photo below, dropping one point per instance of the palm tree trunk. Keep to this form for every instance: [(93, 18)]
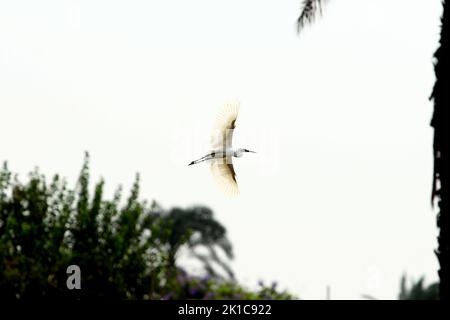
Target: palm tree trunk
[(441, 145)]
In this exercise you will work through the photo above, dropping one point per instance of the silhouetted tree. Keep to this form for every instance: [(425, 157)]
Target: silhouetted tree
[(418, 291), (196, 228), (441, 145), (309, 12)]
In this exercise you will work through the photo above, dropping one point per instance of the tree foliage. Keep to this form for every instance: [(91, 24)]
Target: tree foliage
[(310, 9), (441, 151), (418, 290), (126, 249), (185, 286)]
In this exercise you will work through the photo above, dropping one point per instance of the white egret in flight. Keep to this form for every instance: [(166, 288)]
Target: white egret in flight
[(221, 156)]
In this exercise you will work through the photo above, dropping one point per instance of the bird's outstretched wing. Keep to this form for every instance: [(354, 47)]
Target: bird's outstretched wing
[(223, 129), (225, 176)]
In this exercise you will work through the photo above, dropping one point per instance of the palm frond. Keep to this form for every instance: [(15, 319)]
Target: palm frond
[(311, 8)]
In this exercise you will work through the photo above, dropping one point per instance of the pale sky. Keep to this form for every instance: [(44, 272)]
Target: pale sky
[(339, 191)]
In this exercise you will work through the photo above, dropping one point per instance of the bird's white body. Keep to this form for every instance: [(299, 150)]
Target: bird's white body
[(221, 156)]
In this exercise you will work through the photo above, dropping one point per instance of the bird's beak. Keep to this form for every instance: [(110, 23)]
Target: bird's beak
[(190, 164), (251, 151)]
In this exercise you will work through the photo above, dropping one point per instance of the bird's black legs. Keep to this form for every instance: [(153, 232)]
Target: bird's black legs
[(199, 160)]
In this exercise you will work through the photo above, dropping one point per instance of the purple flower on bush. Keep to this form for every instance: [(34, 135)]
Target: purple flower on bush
[(201, 286), (206, 277), (193, 292), (237, 296), (182, 278), (167, 296), (209, 295)]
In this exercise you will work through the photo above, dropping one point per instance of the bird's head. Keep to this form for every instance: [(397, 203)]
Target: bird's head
[(241, 151)]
